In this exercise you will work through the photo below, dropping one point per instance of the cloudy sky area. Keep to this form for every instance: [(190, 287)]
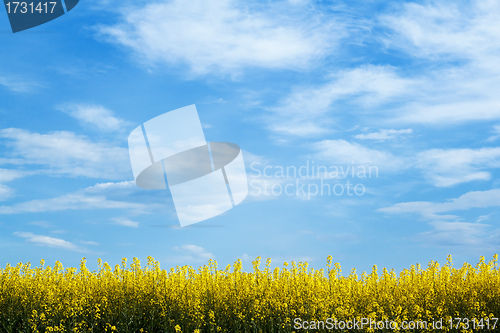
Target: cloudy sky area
[(407, 88)]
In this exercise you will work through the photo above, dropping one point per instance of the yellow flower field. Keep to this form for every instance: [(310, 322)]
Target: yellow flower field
[(208, 299)]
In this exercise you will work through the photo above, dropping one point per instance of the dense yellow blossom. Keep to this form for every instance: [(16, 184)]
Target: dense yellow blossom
[(208, 299)]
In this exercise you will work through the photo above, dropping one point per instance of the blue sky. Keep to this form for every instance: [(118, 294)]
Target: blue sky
[(407, 88)]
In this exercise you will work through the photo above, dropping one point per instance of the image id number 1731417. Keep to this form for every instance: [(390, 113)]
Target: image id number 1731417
[(15, 7)]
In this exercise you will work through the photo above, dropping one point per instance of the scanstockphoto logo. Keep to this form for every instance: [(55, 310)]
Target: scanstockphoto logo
[(205, 179), (25, 15)]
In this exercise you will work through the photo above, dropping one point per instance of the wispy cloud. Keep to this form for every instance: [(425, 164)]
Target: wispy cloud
[(96, 116), (214, 36), (455, 81), (66, 153), (7, 175), (193, 253), (384, 134), (42, 224), (477, 237), (484, 106), (441, 167), (5, 192), (461, 43), (448, 167), (47, 241), (446, 30), (125, 222), (496, 133), (311, 111), (17, 84), (433, 210), (74, 201), (92, 243), (91, 198), (338, 152)]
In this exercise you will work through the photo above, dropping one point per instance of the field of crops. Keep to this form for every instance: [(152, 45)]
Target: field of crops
[(135, 298)]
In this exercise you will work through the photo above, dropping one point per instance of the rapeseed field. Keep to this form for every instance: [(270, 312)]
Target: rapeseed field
[(291, 298)]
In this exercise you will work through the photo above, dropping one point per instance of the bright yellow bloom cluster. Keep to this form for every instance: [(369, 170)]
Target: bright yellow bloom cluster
[(150, 299)]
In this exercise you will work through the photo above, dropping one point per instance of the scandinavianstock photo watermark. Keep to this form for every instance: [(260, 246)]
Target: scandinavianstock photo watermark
[(310, 180)]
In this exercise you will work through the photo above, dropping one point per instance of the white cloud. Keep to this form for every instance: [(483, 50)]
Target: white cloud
[(17, 84), (5, 192), (47, 241), (11, 161), (120, 186), (432, 210), (484, 106), (43, 224), (126, 223), (73, 201), (96, 116), (91, 198), (8, 175), (193, 253), (310, 111), (454, 166), (483, 218), (384, 134), (456, 30), (338, 152), (496, 133), (223, 36), (128, 191), (461, 41), (92, 243), (68, 154), (476, 237)]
